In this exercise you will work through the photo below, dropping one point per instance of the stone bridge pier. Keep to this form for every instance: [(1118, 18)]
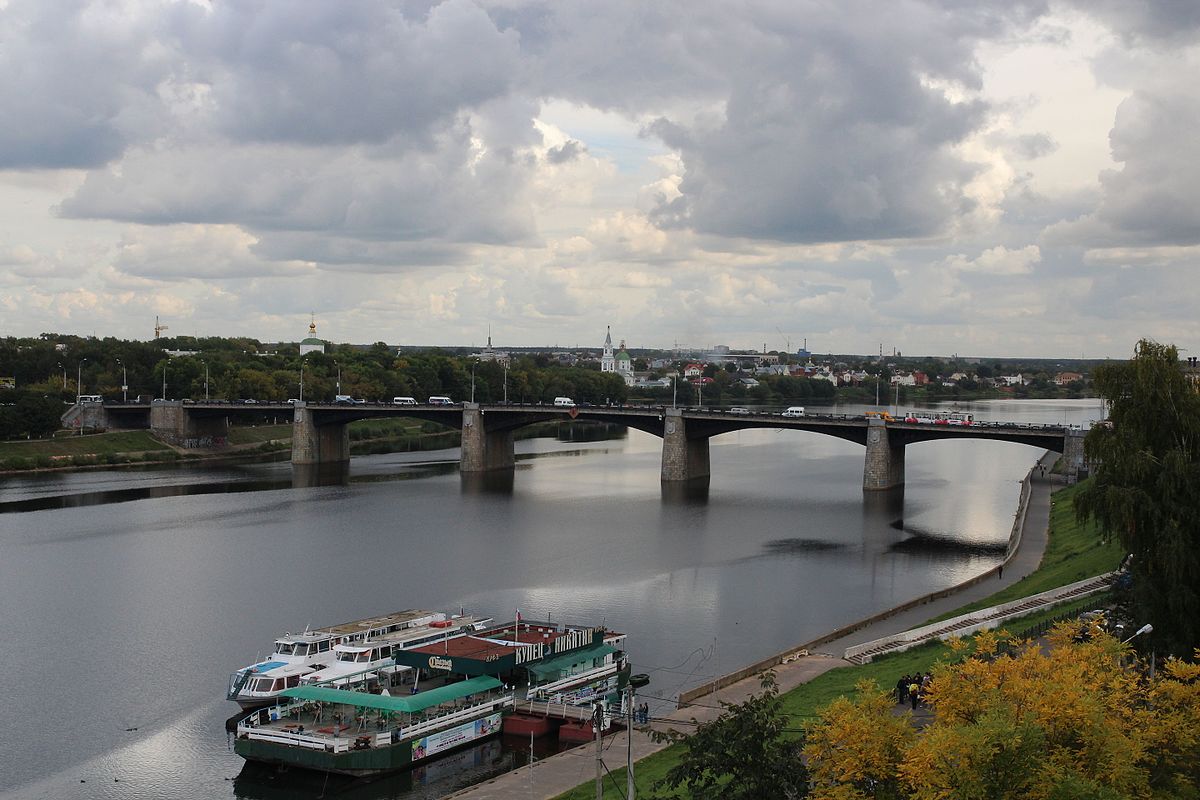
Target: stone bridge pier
[(174, 423), (484, 450), (683, 458), (884, 468), (318, 441)]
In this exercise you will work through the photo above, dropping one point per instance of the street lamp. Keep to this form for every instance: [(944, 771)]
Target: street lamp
[(205, 363), (1147, 628), (472, 381), (674, 388), (339, 378), (505, 383), (301, 380), (79, 377), (164, 393), (124, 383)]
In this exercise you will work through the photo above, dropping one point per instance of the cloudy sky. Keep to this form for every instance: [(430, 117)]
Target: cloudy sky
[(1012, 178)]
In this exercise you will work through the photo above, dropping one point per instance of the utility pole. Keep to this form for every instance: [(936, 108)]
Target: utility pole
[(597, 718), (124, 383)]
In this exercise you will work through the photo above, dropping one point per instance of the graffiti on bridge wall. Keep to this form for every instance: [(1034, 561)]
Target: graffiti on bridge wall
[(203, 441)]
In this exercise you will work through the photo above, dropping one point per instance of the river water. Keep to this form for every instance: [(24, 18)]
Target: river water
[(129, 596)]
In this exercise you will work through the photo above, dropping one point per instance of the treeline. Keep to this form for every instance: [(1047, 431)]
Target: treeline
[(25, 414), (60, 367)]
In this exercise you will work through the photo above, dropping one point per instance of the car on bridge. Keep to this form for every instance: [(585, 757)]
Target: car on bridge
[(739, 410), (793, 411)]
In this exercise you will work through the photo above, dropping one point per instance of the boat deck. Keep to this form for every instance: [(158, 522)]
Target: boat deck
[(336, 728)]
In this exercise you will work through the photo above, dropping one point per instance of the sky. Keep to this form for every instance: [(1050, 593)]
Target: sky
[(1009, 178)]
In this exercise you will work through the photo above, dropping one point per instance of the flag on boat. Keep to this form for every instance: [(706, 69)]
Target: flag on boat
[(518, 615)]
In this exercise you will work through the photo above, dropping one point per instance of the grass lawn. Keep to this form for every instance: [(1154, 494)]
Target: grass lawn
[(1073, 552), (92, 444), (260, 433)]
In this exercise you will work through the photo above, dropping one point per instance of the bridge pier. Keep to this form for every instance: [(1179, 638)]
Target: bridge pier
[(1073, 457), (175, 424), (483, 450), (683, 459), (318, 444), (884, 467)]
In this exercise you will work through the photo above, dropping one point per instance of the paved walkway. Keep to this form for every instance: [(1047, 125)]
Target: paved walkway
[(560, 773)]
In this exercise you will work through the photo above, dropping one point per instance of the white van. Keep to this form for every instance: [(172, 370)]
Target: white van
[(404, 401), (89, 398), (794, 411), (440, 400), (564, 402)]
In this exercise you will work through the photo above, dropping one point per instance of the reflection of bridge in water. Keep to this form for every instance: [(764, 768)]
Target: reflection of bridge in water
[(320, 435)]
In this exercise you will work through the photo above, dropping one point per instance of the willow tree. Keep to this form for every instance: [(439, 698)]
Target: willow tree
[(1146, 466)]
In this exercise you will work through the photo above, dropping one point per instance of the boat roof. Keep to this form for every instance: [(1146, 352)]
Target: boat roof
[(407, 703), (307, 636), (551, 666), (395, 618)]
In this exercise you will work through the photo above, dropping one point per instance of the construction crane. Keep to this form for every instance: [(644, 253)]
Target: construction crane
[(786, 338), (158, 329)]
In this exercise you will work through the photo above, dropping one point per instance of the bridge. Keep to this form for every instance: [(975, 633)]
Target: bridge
[(320, 434)]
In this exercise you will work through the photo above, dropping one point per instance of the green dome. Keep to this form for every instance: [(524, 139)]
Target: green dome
[(623, 356), (311, 340)]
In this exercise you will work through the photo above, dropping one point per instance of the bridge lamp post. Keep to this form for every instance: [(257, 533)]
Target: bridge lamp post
[(79, 377), (505, 383), (339, 377), (472, 381), (164, 392), (205, 363), (124, 383), (302, 381), (674, 388)]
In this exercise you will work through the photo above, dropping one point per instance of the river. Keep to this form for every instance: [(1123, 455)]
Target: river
[(130, 595)]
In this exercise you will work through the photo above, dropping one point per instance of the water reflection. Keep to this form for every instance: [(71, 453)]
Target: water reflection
[(305, 476), (498, 482), (686, 493)]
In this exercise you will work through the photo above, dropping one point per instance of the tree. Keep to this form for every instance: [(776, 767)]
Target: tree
[(855, 749), (742, 754), (1065, 720), (1146, 461)]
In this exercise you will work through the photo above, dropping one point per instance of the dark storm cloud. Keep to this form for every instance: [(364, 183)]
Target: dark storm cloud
[(1176, 20), (799, 122), (316, 72), (1154, 198), (795, 121), (75, 87)]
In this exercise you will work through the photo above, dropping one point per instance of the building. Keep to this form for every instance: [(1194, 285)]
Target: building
[(311, 344), (625, 365), (608, 363), (490, 354), (1063, 378)]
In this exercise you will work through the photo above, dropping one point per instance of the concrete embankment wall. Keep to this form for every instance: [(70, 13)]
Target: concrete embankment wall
[(1014, 541)]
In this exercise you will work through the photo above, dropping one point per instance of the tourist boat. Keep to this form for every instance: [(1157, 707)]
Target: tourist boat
[(300, 654), (455, 692)]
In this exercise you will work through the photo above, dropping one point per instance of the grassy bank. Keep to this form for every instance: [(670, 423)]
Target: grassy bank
[(69, 450), (1073, 552)]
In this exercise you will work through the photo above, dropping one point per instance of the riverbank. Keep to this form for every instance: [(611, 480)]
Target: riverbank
[(813, 673)]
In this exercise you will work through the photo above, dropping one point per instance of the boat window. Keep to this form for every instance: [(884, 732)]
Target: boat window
[(287, 649), (277, 685), (261, 685), (323, 646), (293, 680), (385, 651), (364, 657)]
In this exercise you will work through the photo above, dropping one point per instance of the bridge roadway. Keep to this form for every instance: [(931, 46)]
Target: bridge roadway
[(321, 436)]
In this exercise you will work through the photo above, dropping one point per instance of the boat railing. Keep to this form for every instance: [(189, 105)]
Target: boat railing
[(543, 691), (258, 725)]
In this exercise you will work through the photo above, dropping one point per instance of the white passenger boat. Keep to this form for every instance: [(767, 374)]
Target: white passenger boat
[(457, 690), (300, 654)]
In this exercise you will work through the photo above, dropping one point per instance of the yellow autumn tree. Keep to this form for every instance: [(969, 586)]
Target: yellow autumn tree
[(1069, 719), (855, 750)]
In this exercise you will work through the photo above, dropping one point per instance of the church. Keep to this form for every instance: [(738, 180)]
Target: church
[(619, 363)]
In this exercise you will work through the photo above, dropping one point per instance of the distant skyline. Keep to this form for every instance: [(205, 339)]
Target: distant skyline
[(1004, 179)]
